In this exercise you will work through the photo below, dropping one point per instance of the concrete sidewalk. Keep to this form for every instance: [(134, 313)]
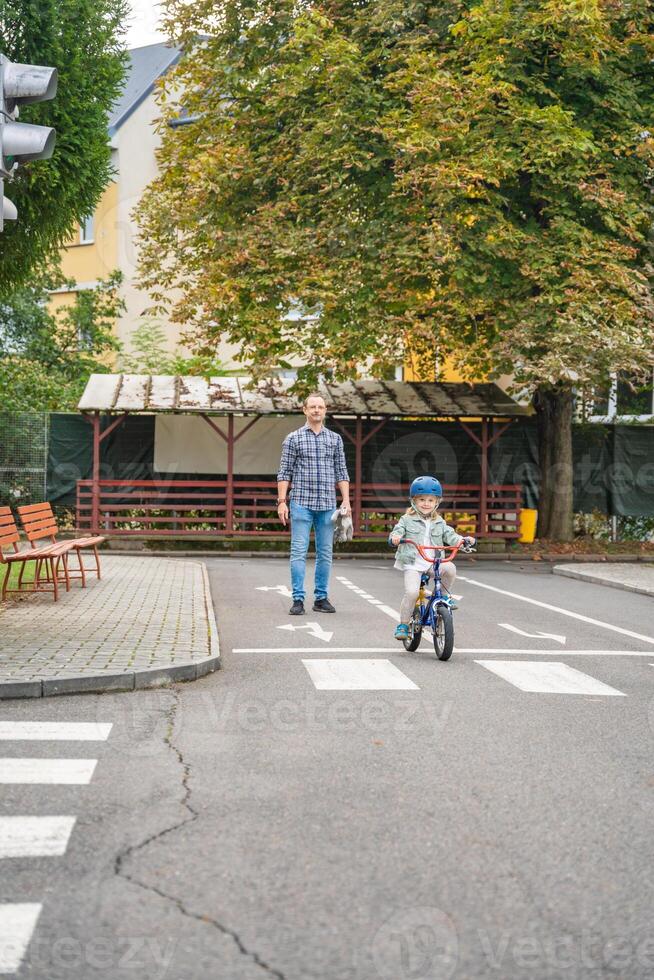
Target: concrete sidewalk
[(637, 577), (146, 622)]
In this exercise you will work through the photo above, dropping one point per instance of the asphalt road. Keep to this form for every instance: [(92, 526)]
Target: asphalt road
[(459, 824)]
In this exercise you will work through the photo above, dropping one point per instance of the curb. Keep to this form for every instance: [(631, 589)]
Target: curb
[(586, 577), (362, 555), (134, 680)]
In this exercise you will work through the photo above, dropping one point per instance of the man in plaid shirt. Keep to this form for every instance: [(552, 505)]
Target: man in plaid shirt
[(313, 461)]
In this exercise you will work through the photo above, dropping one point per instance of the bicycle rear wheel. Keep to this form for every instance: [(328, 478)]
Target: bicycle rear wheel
[(412, 642), (444, 633)]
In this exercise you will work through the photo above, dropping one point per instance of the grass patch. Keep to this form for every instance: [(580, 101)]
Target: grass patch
[(28, 574)]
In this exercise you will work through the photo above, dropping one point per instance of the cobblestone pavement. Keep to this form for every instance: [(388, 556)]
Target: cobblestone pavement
[(631, 577), (144, 613)]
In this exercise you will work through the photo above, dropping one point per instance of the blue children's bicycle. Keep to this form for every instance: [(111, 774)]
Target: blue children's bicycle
[(433, 612)]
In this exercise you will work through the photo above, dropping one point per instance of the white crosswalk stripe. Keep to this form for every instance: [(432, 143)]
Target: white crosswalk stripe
[(40, 771), (48, 731), (17, 923), (34, 836), (358, 675), (548, 678), (31, 836)]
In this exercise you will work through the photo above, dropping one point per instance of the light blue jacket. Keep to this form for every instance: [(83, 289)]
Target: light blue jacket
[(412, 526)]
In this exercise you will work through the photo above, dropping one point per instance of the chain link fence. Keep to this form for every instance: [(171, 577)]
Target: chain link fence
[(23, 457)]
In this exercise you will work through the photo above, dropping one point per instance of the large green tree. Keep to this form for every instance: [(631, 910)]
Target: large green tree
[(82, 39), (467, 178), (46, 356)]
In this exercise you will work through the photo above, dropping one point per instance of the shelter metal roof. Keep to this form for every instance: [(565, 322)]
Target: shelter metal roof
[(234, 395)]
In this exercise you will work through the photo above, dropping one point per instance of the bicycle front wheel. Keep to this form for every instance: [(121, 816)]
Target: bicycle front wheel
[(444, 633)]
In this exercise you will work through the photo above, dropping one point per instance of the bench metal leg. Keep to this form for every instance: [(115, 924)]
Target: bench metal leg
[(82, 570), (53, 570)]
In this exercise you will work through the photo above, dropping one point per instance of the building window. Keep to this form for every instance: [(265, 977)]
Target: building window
[(86, 231), (625, 399)]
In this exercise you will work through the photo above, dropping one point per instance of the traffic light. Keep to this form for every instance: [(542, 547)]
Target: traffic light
[(20, 142)]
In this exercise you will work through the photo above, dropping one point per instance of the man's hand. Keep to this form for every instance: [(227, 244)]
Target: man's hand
[(282, 512), (348, 509)]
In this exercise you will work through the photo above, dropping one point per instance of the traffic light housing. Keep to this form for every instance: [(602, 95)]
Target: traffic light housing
[(21, 142)]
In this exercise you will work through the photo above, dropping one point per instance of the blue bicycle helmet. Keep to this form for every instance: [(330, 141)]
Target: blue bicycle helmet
[(425, 485)]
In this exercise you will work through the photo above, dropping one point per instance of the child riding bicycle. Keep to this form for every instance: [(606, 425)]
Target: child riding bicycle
[(422, 523)]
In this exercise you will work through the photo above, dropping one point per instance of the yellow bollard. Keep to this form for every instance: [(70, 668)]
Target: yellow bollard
[(528, 518)]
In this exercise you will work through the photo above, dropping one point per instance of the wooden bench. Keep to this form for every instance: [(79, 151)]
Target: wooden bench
[(50, 557), (39, 522)]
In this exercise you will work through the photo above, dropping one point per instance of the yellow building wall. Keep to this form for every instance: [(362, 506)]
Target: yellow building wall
[(87, 263), (416, 370)]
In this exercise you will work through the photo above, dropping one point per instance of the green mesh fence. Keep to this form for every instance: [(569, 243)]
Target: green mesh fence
[(23, 457)]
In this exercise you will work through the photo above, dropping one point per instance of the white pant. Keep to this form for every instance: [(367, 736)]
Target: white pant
[(412, 587)]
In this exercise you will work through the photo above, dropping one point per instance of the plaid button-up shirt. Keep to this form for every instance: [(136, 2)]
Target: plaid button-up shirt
[(314, 464)]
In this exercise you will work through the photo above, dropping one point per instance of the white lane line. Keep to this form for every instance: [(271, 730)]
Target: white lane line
[(393, 613), (34, 836), (17, 923), (54, 731), (57, 771), (558, 609), (548, 678), (558, 653), (358, 675), (503, 650)]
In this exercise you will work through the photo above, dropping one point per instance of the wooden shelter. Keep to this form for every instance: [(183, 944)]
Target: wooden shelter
[(483, 410)]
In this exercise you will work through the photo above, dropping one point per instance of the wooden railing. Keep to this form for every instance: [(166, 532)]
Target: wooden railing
[(201, 508)]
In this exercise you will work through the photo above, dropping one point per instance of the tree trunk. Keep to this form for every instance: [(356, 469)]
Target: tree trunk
[(554, 417)]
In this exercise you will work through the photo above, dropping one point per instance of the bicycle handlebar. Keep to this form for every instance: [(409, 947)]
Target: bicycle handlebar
[(422, 548)]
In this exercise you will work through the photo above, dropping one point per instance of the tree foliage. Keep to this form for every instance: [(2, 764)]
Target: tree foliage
[(46, 357), (82, 39), (469, 177), (149, 354)]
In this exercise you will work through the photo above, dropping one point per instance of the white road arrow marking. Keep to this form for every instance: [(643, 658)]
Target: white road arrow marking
[(314, 628), (533, 636), (282, 589)]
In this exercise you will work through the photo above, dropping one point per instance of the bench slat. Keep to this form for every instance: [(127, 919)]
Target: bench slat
[(39, 521), (34, 508), (45, 532)]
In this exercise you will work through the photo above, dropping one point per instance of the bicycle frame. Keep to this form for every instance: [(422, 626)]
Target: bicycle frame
[(428, 614)]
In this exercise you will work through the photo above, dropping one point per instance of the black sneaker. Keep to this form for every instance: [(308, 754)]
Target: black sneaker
[(297, 609), (323, 605)]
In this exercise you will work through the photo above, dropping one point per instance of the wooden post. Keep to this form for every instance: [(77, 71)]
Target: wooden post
[(95, 489), (483, 489), (231, 440), (358, 469), (230, 474)]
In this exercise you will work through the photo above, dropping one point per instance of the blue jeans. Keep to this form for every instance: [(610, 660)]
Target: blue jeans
[(302, 520)]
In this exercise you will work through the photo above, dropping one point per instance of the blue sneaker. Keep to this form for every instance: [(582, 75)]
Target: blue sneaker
[(402, 632), (449, 601)]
